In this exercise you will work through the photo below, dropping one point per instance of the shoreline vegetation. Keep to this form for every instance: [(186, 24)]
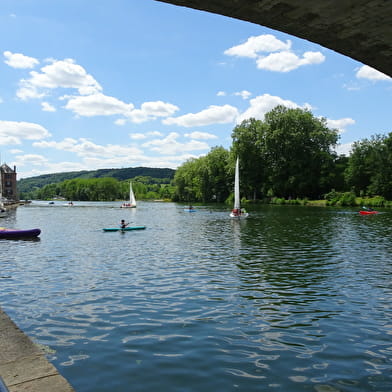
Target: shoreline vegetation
[(288, 158), (346, 199)]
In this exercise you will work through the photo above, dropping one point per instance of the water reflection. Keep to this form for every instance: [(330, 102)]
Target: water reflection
[(201, 301)]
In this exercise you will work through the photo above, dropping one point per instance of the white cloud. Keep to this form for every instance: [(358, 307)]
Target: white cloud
[(86, 148), (120, 121), (138, 136), (27, 91), (366, 72), (244, 94), (170, 145), (91, 101), (340, 124), (288, 61), (351, 86), (58, 74), (47, 107), (254, 45), (344, 149), (30, 160), (280, 58), (212, 115), (37, 165), (158, 109), (12, 132), (201, 135), (141, 136), (151, 111), (18, 60), (220, 94), (154, 133), (262, 104), (98, 105)]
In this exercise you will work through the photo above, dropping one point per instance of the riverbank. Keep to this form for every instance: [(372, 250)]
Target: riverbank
[(346, 199), (23, 365)]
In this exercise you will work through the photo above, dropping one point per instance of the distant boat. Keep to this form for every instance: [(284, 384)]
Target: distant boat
[(237, 211), (132, 200)]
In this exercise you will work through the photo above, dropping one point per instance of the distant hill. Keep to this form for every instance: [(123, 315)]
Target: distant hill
[(31, 183)]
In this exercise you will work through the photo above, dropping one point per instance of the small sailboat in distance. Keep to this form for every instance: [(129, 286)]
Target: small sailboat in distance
[(237, 211), (132, 199)]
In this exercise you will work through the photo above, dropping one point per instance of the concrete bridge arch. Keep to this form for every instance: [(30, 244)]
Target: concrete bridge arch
[(360, 29)]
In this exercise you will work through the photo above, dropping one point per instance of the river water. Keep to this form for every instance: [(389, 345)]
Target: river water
[(290, 299)]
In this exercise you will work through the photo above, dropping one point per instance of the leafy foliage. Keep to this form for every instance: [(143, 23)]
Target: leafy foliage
[(286, 159), (369, 171), (154, 175), (101, 189)]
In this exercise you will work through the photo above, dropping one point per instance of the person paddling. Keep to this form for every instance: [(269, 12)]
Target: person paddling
[(367, 208), (123, 225)]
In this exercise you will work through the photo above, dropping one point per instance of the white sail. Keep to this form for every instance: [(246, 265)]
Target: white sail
[(132, 199), (237, 202), (237, 212)]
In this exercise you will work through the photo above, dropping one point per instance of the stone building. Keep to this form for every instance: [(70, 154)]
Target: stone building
[(8, 189)]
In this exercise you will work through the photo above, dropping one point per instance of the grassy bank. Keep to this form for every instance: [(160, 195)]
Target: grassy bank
[(340, 199)]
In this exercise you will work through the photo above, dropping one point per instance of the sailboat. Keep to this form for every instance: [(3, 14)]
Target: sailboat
[(132, 200), (237, 211)]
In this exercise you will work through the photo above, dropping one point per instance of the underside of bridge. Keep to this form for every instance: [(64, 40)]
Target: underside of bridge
[(360, 29)]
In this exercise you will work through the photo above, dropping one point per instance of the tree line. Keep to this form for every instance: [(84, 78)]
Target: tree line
[(103, 189), (26, 185), (289, 155)]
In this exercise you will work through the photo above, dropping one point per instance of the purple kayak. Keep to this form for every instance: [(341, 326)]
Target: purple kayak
[(14, 233)]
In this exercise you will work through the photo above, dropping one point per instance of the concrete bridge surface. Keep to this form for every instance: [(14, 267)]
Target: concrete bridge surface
[(360, 29)]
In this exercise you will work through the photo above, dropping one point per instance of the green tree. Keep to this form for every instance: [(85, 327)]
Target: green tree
[(187, 181), (203, 179), (249, 146), (299, 153), (369, 170), (216, 184)]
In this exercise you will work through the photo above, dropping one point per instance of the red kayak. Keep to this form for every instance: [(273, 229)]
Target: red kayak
[(368, 212)]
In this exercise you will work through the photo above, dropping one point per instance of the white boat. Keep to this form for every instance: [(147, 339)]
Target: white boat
[(237, 211), (132, 200)]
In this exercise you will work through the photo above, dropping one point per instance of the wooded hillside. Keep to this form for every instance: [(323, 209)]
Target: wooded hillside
[(29, 184)]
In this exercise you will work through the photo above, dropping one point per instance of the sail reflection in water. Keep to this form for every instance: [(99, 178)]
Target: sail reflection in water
[(290, 299)]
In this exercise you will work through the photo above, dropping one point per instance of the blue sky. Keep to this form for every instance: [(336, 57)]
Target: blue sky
[(97, 84)]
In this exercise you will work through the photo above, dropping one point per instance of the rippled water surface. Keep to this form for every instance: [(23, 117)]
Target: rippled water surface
[(291, 299)]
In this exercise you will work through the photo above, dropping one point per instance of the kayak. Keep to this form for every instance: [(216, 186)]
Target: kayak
[(128, 228), (189, 210), (368, 212), (14, 233)]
